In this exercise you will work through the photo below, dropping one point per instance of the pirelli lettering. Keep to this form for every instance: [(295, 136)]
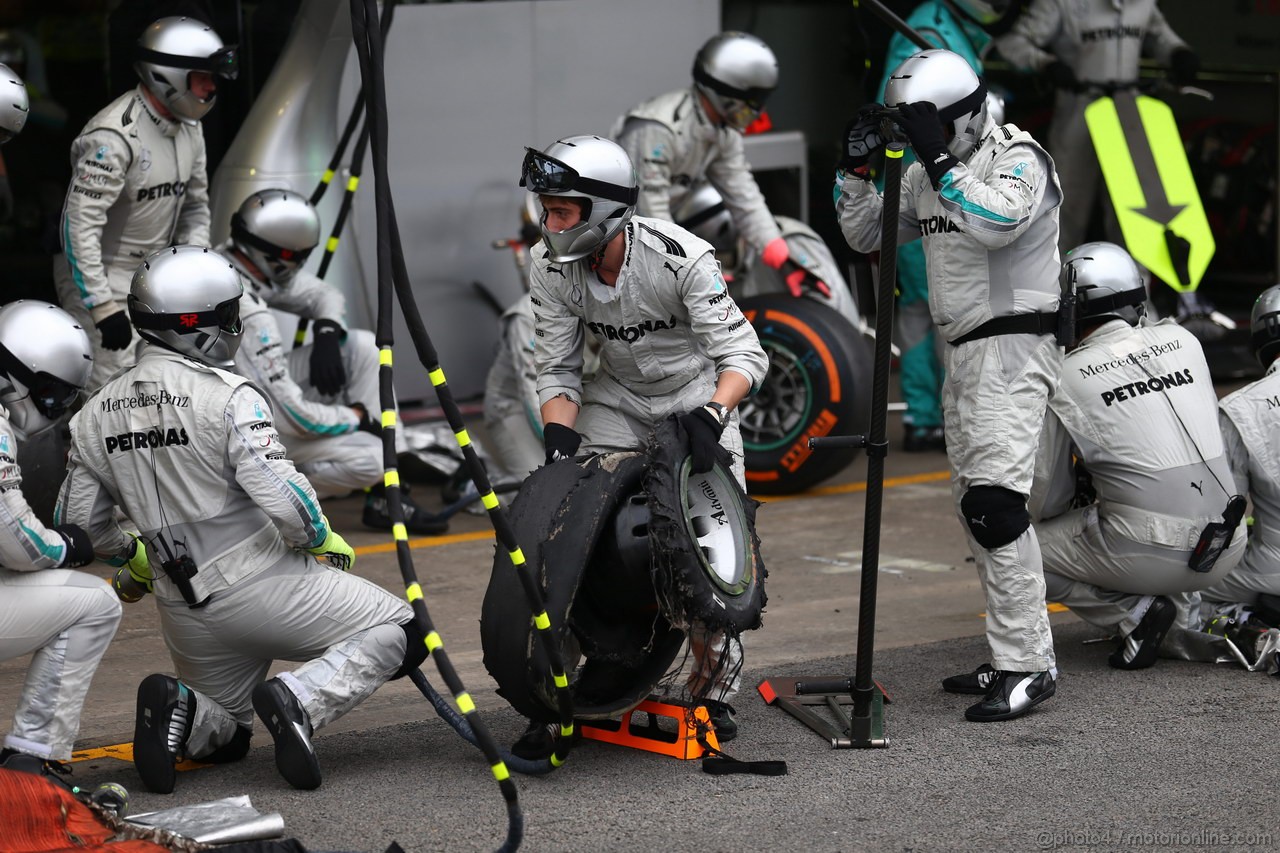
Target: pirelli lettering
[(1151, 385)]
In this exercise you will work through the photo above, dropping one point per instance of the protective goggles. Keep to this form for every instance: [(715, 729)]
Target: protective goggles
[(51, 395), (240, 233), (224, 315), (224, 63), (545, 175)]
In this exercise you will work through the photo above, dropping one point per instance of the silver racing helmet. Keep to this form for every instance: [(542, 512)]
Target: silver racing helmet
[(187, 299), (166, 54), (1264, 326), (13, 104), (703, 214), (594, 170), (737, 72), (1105, 284), (276, 229), (945, 80), (45, 361)]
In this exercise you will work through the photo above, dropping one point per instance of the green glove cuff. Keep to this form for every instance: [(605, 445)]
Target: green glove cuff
[(335, 551), (139, 565)]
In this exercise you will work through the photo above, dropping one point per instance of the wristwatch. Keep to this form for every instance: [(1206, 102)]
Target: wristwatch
[(719, 411)]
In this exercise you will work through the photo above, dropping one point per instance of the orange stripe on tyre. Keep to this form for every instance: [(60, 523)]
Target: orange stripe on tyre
[(828, 363)]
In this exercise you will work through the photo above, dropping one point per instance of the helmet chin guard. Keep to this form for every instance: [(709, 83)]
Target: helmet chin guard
[(594, 170)]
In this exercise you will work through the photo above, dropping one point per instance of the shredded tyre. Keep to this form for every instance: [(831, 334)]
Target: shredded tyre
[(702, 533)]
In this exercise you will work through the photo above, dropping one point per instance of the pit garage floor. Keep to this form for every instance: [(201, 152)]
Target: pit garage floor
[(1180, 756)]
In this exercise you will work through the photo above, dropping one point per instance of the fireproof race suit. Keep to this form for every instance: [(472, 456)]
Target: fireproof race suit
[(921, 362), (1102, 41), (1252, 438), (138, 184), (66, 617), (511, 416), (321, 432), (1137, 407), (666, 330), (197, 464), (673, 145), (990, 239)]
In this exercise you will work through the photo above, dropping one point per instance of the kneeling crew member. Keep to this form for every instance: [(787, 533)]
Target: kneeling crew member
[(246, 569)]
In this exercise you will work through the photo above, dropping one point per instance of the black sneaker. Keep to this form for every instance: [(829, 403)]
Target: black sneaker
[(721, 715), (537, 743), (1138, 651), (416, 519), (290, 728), (21, 762), (166, 709), (1012, 694), (977, 682), (923, 439)]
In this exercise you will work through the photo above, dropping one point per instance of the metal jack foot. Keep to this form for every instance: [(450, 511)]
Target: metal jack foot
[(842, 726)]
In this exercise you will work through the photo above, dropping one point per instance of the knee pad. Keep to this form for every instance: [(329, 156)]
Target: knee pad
[(233, 750), (996, 516), (415, 649)]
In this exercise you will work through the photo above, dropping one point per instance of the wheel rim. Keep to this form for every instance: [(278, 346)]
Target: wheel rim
[(717, 526), (777, 413)]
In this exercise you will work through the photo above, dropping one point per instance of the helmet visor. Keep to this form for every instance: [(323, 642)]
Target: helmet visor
[(225, 62), (738, 114), (225, 315), (545, 175), (50, 394), (284, 262)]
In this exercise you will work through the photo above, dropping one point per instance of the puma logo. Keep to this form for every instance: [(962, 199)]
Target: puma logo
[(978, 521), (1197, 487), (557, 270), (675, 273)]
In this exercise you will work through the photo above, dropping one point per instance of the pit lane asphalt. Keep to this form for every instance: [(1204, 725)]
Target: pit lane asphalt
[(1180, 756)]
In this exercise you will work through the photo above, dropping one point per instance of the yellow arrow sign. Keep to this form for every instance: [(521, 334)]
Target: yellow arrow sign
[(1151, 187)]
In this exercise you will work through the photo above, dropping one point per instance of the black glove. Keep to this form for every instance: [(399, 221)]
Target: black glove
[(703, 429), (1061, 75), (1185, 65), (560, 442), (920, 122), (327, 373), (861, 138), (1086, 494), (116, 331), (79, 548), (367, 424)]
